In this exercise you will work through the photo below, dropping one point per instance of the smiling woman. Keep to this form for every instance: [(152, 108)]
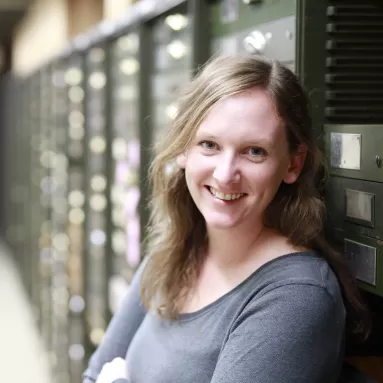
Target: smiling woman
[(240, 284), (240, 155)]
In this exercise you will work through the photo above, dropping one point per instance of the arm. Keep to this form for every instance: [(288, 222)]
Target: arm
[(294, 334), (120, 331)]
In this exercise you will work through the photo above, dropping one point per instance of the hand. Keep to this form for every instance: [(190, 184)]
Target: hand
[(112, 371)]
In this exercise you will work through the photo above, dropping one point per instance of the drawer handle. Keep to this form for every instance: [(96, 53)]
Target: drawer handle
[(378, 161)]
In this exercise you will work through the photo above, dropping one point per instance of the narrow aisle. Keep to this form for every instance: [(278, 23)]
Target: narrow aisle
[(21, 353)]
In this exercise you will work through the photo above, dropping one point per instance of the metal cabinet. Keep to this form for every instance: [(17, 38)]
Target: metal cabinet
[(266, 28), (74, 120), (41, 256), (96, 157), (18, 149), (48, 245), (172, 65), (125, 192), (353, 133), (67, 217)]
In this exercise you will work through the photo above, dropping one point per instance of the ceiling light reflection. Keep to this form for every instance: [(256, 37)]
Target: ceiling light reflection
[(176, 21)]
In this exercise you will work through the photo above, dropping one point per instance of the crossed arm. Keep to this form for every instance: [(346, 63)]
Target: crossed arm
[(120, 331)]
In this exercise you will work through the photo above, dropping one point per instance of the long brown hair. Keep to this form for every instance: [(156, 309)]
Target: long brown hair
[(177, 232)]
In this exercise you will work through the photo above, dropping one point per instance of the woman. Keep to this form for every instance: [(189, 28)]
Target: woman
[(240, 284)]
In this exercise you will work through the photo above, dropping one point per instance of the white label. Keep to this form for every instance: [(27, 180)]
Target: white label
[(346, 150)]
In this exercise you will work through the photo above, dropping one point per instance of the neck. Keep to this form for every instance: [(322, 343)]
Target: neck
[(230, 248)]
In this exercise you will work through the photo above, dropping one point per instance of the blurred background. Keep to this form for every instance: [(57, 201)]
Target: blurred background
[(86, 88)]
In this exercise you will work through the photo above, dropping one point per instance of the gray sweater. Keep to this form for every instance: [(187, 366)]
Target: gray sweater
[(285, 323)]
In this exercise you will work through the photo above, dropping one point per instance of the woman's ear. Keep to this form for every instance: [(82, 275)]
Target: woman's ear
[(181, 160), (297, 161)]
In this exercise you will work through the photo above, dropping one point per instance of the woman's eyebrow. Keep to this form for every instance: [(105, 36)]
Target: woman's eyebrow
[(206, 136), (261, 142)]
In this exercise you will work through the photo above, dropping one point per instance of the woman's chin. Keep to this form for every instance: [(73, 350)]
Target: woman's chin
[(221, 223)]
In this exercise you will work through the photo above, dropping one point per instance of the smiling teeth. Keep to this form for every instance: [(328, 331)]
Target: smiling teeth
[(223, 196)]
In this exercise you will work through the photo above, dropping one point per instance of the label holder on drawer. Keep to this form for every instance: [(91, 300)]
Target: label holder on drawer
[(360, 207), (362, 261)]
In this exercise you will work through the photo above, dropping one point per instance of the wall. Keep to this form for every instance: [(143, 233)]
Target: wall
[(82, 15), (48, 27), (114, 8), (42, 34)]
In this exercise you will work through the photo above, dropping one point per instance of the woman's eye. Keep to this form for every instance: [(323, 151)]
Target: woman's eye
[(256, 152), (210, 145)]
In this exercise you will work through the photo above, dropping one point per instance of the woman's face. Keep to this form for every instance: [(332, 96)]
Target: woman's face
[(238, 159)]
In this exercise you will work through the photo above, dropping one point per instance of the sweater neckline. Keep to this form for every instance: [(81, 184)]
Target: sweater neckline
[(223, 298)]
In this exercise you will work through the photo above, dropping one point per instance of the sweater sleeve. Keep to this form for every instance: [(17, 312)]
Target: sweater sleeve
[(292, 334), (120, 331)]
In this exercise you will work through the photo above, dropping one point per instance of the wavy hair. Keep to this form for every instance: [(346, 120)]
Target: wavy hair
[(177, 233)]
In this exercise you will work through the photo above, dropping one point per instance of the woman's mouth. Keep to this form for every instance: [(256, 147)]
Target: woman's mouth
[(224, 196)]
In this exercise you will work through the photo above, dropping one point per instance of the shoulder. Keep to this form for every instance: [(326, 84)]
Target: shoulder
[(290, 316), (298, 288), (299, 270), (299, 306)]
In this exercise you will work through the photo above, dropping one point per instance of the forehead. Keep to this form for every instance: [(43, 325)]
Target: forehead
[(250, 114)]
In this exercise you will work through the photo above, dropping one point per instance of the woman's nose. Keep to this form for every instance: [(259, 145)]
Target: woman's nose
[(226, 171)]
